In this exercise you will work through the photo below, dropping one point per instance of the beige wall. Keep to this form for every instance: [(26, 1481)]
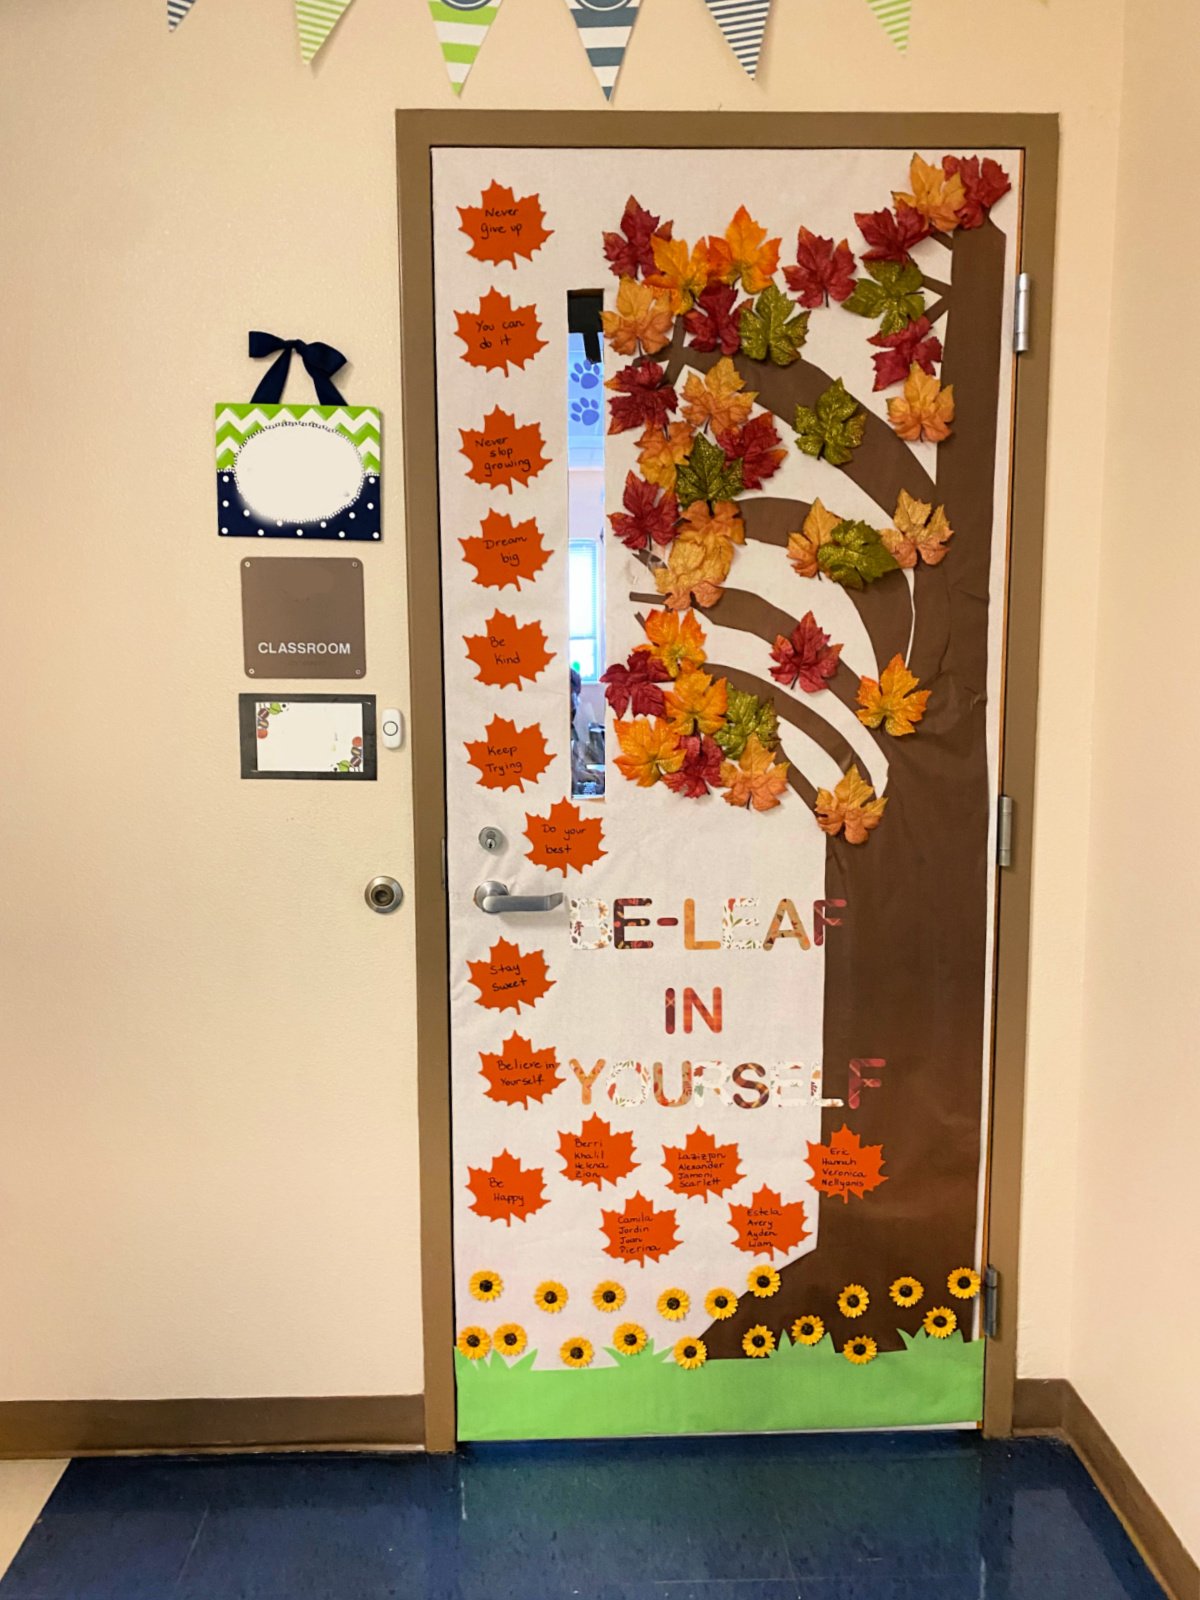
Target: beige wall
[(208, 1153)]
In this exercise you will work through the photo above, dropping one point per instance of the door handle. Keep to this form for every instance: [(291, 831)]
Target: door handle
[(494, 897)]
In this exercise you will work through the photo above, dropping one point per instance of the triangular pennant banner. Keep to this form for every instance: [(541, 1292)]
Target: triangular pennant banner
[(176, 11), (315, 21), (895, 16), (605, 26), (743, 23), (462, 26)]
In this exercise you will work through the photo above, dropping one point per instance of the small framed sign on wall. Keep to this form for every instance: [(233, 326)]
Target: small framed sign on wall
[(308, 736)]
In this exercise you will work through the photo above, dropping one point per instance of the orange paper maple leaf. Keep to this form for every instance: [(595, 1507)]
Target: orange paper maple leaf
[(508, 652), (596, 1154), (510, 978), (768, 1224), (506, 1189), (639, 1233), (501, 227), (504, 551), (845, 1165), (564, 838), (499, 334), (504, 452), (700, 1166), (518, 1073), (508, 757)]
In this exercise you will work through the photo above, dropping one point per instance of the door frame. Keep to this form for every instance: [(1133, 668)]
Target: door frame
[(418, 133)]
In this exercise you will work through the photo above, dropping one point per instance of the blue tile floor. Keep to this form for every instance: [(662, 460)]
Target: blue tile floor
[(814, 1517)]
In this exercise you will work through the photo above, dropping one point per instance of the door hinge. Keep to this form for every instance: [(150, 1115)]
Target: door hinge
[(1021, 309), (1004, 829), (991, 1302)]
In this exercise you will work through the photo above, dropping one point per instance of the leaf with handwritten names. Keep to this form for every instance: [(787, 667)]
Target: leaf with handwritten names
[(639, 1233), (596, 1154), (564, 838), (499, 335), (501, 227), (768, 1224), (845, 1165), (508, 651), (509, 977), (505, 552), (506, 1189), (701, 1166), (517, 1073), (508, 757), (503, 451)]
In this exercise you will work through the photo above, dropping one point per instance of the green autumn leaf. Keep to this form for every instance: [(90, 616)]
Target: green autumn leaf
[(895, 296), (746, 714), (855, 555), (275, 708), (835, 429), (707, 475), (770, 330)]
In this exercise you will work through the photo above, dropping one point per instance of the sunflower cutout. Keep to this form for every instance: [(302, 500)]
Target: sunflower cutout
[(474, 1343), (608, 1296), (720, 1304), (963, 1283), (762, 1282), (629, 1339), (509, 1339), (907, 1291), (577, 1353), (808, 1330), (860, 1350), (550, 1296), (486, 1285), (759, 1341), (940, 1322), (853, 1300), (673, 1304), (690, 1354)]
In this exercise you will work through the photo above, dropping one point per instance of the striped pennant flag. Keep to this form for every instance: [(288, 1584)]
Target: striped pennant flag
[(315, 21), (895, 16), (462, 26), (743, 22), (176, 11), (605, 26)]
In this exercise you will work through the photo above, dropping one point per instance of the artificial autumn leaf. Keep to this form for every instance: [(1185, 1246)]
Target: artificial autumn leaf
[(630, 251), (510, 978), (499, 334), (701, 1166), (642, 397), (508, 651), (891, 235), (919, 532), (834, 428), (642, 319), (855, 555), (982, 185), (701, 769), (713, 323), (806, 658), (803, 547), (504, 551), (502, 453), (695, 572), (506, 1189), (649, 751), (660, 452), (758, 447), (676, 640), (647, 518), (895, 701), (564, 838), (892, 293), (746, 717), (517, 1073), (695, 704), (773, 329), (635, 686), (596, 1154), (925, 410), (936, 194), (845, 1165), (708, 474), (768, 1224), (745, 255), (823, 271), (756, 779), (721, 520), (678, 275), (639, 1233), (851, 808), (719, 398), (508, 757), (501, 227), (899, 350)]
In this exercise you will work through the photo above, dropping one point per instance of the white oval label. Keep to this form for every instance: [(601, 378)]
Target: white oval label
[(298, 472)]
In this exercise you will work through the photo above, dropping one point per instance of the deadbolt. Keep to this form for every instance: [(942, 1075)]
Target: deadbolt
[(491, 839), (383, 895)]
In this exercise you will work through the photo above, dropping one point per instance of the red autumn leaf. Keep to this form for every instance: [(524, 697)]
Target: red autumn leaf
[(639, 1233), (504, 552), (700, 1166), (635, 685), (499, 334), (823, 271), (506, 1189), (891, 235), (508, 757), (845, 1165), (757, 446), (807, 657), (501, 227), (768, 1224), (642, 397), (508, 652), (714, 321), (701, 769), (502, 453), (914, 342), (564, 838), (596, 1154), (518, 1073), (983, 184), (510, 978), (630, 251), (646, 519)]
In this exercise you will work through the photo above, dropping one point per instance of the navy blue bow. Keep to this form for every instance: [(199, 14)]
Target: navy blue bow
[(321, 361)]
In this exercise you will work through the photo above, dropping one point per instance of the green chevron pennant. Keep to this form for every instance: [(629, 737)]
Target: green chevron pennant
[(895, 15), (462, 26), (315, 21)]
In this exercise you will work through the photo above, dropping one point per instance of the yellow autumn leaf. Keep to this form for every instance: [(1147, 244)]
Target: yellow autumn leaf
[(659, 453), (696, 704), (643, 317), (757, 779), (803, 546), (919, 532), (649, 749), (722, 521), (925, 410), (935, 195), (697, 566), (680, 276), (745, 255), (850, 808), (719, 398), (677, 640), (895, 701)]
